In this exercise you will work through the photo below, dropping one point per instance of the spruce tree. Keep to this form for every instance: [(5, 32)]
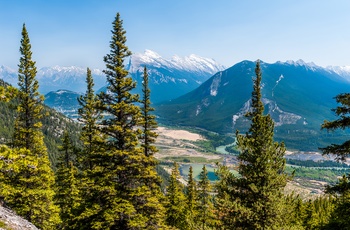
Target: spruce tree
[(67, 193), (258, 193), (122, 197), (30, 188), (90, 116), (119, 102), (90, 160), (191, 200), (342, 151), (153, 208), (28, 125), (148, 120), (175, 201), (206, 217)]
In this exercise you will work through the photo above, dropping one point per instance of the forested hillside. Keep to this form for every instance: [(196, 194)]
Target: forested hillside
[(111, 180), (54, 124)]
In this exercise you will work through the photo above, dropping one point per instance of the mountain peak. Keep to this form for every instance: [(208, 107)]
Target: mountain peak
[(191, 63)]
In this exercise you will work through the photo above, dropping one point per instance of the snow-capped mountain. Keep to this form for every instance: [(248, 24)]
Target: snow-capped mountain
[(299, 96), (69, 78), (343, 71), (171, 78), (8, 75), (192, 63), (54, 78)]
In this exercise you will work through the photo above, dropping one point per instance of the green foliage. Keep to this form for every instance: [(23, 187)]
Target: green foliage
[(26, 184), (322, 164), (340, 216), (341, 150), (191, 200), (120, 186), (257, 194), (176, 201), (67, 193), (329, 175), (28, 179), (29, 110), (206, 215), (148, 120)]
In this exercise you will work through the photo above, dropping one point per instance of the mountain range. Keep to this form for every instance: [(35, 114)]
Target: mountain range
[(170, 78), (55, 78), (196, 91), (299, 96)]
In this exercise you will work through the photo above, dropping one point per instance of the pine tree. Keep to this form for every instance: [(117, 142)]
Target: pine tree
[(90, 116), (258, 192), (119, 102), (153, 208), (339, 218), (122, 199), (191, 200), (27, 125), (342, 151), (90, 160), (30, 187), (206, 216), (175, 201), (67, 193), (148, 121)]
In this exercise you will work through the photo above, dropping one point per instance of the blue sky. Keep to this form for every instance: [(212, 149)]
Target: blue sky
[(77, 32)]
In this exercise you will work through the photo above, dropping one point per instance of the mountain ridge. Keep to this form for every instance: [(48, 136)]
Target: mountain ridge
[(298, 96)]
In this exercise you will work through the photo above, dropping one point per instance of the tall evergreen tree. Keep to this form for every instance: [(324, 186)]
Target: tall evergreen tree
[(206, 217), (119, 102), (342, 189), (28, 125), (90, 160), (90, 116), (191, 200), (148, 120), (342, 151), (258, 192), (153, 207), (175, 201), (32, 183), (67, 193), (122, 197)]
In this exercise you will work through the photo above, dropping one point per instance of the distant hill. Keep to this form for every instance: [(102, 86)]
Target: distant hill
[(298, 95), (63, 101), (54, 124)]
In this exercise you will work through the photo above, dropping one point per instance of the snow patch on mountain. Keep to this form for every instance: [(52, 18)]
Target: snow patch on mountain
[(192, 63), (278, 81), (343, 71), (301, 63), (215, 84), (8, 75), (279, 116), (204, 103)]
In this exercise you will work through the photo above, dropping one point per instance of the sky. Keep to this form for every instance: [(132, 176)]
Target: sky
[(78, 32)]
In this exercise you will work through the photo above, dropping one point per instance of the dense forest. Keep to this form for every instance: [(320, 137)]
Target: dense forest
[(104, 175)]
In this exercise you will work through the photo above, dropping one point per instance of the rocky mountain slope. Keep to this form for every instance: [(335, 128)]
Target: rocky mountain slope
[(298, 95), (9, 220)]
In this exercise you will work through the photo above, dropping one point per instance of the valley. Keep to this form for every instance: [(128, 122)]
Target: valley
[(185, 146)]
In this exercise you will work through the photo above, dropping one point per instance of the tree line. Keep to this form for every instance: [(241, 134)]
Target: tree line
[(111, 180)]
